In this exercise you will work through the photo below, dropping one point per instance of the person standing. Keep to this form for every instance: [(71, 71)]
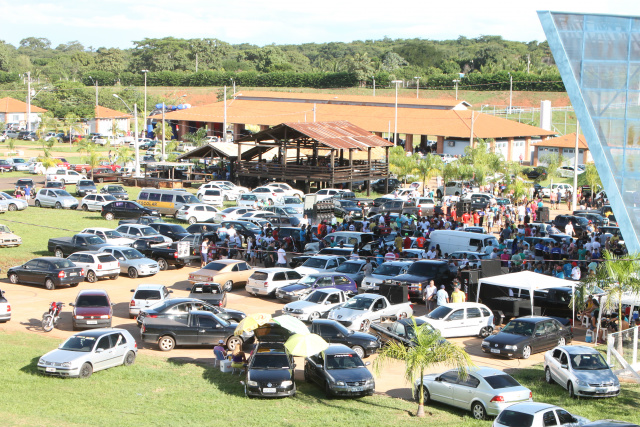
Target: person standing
[(282, 257), (368, 268), (204, 251), (429, 296), (457, 295), (442, 297)]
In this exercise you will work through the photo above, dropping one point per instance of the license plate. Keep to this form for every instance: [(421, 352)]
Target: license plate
[(356, 388), (601, 390), (73, 274), (268, 390), (50, 369), (92, 322), (495, 350), (256, 290)]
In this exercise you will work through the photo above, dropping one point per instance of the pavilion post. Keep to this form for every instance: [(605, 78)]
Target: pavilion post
[(350, 169), (386, 181), (331, 169), (369, 164)]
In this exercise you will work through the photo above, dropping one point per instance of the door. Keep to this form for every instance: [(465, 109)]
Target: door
[(210, 331), (119, 349), (475, 321), (540, 341), (315, 373), (559, 374), (552, 331), (103, 353), (332, 335), (454, 324), (29, 272), (464, 391), (441, 389)]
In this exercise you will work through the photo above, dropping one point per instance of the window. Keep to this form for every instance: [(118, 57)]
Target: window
[(293, 275), (485, 312), (235, 268), (143, 195), (564, 417), (206, 322), (450, 377), (564, 359), (324, 282), (473, 313), (556, 354), (243, 266), (104, 343), (168, 198), (154, 197), (279, 276), (549, 419), (332, 264), (470, 381), (379, 305), (199, 209), (91, 197), (457, 315), (550, 327), (333, 298), (540, 328), (341, 280), (328, 331), (117, 340)]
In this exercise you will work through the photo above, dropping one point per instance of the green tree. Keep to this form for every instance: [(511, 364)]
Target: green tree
[(72, 126), (553, 162), (590, 177), (428, 167), (430, 349), (401, 164), (617, 275), (198, 137)]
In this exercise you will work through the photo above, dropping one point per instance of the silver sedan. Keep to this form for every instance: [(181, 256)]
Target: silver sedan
[(485, 391), (132, 262), (86, 352)]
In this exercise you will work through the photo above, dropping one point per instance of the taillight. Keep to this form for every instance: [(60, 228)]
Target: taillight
[(61, 275), (143, 329), (82, 272), (99, 266), (497, 399), (152, 315), (175, 255), (530, 395), (220, 303), (133, 303), (8, 308), (265, 284), (411, 305)]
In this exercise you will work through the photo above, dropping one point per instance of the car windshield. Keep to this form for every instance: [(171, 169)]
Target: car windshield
[(86, 184), (116, 189), (92, 301), (316, 297), (439, 313), (63, 263), (308, 280), (215, 266), (349, 267), (519, 328), (251, 226), (270, 361), (292, 201), (588, 362), (511, 418), (79, 343), (501, 381), (423, 269), (61, 193), (147, 231), (177, 228), (349, 203), (190, 198), (344, 361), (112, 234), (315, 263), (132, 253), (387, 269), (109, 198), (229, 210), (94, 240), (358, 303)]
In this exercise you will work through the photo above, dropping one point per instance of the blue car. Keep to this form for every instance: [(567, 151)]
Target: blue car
[(299, 290)]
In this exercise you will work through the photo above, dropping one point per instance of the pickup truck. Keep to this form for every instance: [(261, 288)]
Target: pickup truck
[(362, 310), (315, 305), (63, 246), (212, 293), (65, 176), (164, 254), (363, 203), (400, 331), (420, 273), (198, 328), (397, 206)]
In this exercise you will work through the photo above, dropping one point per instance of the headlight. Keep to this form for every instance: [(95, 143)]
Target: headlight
[(66, 364), (252, 383), (485, 343), (582, 383), (105, 316), (339, 382), (369, 381), (79, 317), (510, 347), (297, 311), (42, 361), (373, 343), (286, 383)]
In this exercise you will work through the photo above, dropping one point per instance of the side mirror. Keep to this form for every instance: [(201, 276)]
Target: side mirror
[(71, 304), (170, 292), (319, 365), (367, 363), (100, 350), (133, 290), (538, 334), (327, 302), (564, 366)]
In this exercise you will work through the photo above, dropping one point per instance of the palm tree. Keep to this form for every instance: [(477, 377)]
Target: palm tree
[(617, 275), (125, 155), (553, 162), (428, 167), (429, 349)]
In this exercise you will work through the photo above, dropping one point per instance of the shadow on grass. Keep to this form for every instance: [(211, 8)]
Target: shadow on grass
[(225, 382), (33, 325), (32, 367)]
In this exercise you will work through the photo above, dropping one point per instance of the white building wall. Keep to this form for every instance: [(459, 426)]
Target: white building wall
[(454, 147)]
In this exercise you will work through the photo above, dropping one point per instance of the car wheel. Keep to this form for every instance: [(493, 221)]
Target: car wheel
[(133, 273), (425, 392), (365, 325), (485, 332), (327, 391), (314, 316), (526, 352), (109, 216), (478, 411), (562, 341), (13, 207), (13, 278), (572, 393), (37, 203), (163, 264), (49, 285), (58, 253), (62, 182), (86, 370), (166, 343), (192, 220), (358, 350), (228, 286), (547, 376), (233, 342), (113, 277), (91, 277), (85, 208), (58, 205), (129, 358)]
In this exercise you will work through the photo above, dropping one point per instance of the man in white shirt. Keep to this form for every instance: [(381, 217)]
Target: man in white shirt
[(381, 221), (429, 296), (231, 232), (568, 229), (575, 272), (282, 257), (304, 221), (431, 253)]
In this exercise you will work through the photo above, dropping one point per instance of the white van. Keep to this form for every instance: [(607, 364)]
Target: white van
[(454, 241)]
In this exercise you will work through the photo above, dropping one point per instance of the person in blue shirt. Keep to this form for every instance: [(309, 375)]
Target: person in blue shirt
[(559, 272), (538, 268), (555, 252), (567, 268), (303, 235)]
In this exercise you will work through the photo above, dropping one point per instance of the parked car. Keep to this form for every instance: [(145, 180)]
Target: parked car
[(363, 344), (247, 200), (535, 414), (112, 237), (24, 182), (211, 196), (132, 262), (401, 331), (461, 320), (270, 371), (360, 311), (211, 293), (354, 269), (96, 265), (228, 272), (340, 372), (64, 246), (5, 166), (92, 309), (125, 210), (524, 336), (65, 176), (233, 213), (174, 232), (320, 264), (196, 213), (309, 283), (19, 164), (55, 184), (202, 227), (266, 281), (87, 352), (5, 308), (384, 271), (139, 231), (238, 188), (52, 198), (581, 370), (421, 273), (179, 308), (145, 296), (51, 272), (84, 187), (268, 194), (485, 391), (316, 304), (8, 238), (116, 191), (106, 174)]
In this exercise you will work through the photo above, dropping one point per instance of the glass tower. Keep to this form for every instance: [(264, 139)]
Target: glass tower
[(599, 60)]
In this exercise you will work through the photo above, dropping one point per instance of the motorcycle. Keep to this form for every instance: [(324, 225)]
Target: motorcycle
[(50, 319)]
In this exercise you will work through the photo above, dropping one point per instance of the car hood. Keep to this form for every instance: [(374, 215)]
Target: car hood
[(411, 278), (274, 376), (599, 376), (346, 313), (136, 262), (120, 241), (506, 338), (304, 305), (305, 271), (92, 311), (352, 374), (295, 287), (61, 356)]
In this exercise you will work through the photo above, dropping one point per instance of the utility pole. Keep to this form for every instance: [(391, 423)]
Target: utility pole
[(417, 87), (510, 91), (528, 62), (473, 120), (163, 135), (374, 85), (456, 82), (224, 126), (574, 193), (196, 62), (145, 100), (395, 130), (28, 101)]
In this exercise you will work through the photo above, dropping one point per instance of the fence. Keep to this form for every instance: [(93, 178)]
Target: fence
[(622, 351), (563, 119)]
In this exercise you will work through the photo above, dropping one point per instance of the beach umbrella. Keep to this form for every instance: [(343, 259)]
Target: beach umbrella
[(306, 345), (251, 322), (291, 323)]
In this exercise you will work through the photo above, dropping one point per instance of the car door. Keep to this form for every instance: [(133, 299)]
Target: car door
[(29, 272), (119, 348), (552, 333), (558, 373), (474, 321), (442, 387), (331, 265), (464, 391), (314, 373), (102, 353), (209, 331), (343, 283), (124, 262), (454, 324), (331, 334), (549, 418), (539, 341), (323, 282)]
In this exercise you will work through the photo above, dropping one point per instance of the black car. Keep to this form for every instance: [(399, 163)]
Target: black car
[(245, 228), (270, 371), (48, 271), (339, 371), (579, 223), (400, 331), (378, 186), (125, 209), (116, 191), (211, 293), (22, 183), (538, 173), (173, 231), (342, 208), (335, 333), (84, 187), (202, 227), (420, 273), (378, 202), (179, 308), (594, 217), (27, 136), (522, 337), (614, 231)]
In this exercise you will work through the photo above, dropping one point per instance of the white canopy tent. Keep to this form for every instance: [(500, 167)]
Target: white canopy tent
[(527, 280)]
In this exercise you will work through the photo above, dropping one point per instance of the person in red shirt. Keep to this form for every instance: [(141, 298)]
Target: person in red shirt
[(406, 244), (420, 242), (454, 214), (476, 218), (466, 217)]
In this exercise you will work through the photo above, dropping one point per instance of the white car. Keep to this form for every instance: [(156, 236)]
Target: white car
[(288, 190), (464, 319), (193, 213), (546, 191), (535, 414), (95, 202), (5, 308), (567, 171), (13, 204), (315, 305), (145, 296), (227, 192), (265, 281), (268, 194), (248, 199), (402, 193), (139, 231), (96, 265), (385, 271), (327, 193), (292, 202), (19, 164), (232, 214), (239, 189), (112, 237), (425, 202), (65, 176), (320, 264), (132, 262), (55, 198), (37, 168), (210, 196)]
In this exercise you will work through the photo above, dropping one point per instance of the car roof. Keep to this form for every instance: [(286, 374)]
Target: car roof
[(409, 321), (100, 332), (89, 253), (48, 258), (531, 407), (578, 349), (338, 349), (273, 269), (150, 286), (92, 292), (455, 305), (228, 261), (534, 319)]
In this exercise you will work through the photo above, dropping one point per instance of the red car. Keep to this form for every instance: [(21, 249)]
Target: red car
[(92, 309), (62, 162)]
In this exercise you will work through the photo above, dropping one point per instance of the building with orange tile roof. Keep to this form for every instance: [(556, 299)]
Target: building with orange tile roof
[(14, 112), (109, 122), (562, 145)]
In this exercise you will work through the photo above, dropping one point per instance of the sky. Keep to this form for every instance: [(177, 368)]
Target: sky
[(117, 23)]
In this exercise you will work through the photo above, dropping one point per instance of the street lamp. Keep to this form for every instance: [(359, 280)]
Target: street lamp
[(483, 107), (510, 91), (456, 82), (136, 142), (374, 88), (145, 99), (96, 85), (29, 98), (395, 131), (417, 86)]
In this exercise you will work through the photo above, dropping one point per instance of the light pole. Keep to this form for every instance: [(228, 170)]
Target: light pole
[(96, 85), (374, 87), (417, 87), (28, 101), (456, 82), (145, 100), (510, 91), (136, 142), (483, 107), (395, 130)]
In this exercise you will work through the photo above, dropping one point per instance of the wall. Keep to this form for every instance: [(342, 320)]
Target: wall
[(457, 149)]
